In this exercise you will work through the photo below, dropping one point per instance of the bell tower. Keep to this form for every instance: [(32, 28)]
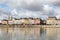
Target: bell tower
[(10, 18)]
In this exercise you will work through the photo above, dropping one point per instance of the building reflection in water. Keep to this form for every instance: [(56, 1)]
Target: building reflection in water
[(30, 34)]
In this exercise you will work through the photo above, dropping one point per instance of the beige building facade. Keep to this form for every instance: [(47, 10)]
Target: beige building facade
[(51, 20), (58, 21)]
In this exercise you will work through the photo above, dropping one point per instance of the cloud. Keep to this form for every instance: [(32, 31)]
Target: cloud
[(16, 3), (3, 15), (31, 8), (46, 10), (4, 12)]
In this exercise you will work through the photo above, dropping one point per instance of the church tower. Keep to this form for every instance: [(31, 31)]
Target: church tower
[(10, 18)]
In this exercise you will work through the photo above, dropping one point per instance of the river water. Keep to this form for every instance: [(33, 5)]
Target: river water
[(20, 34)]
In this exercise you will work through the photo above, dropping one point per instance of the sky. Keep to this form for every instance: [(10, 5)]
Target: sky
[(29, 8)]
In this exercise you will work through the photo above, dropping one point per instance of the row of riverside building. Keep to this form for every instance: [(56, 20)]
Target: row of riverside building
[(31, 21)]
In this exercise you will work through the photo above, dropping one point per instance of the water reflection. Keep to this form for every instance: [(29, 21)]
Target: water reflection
[(19, 34)]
